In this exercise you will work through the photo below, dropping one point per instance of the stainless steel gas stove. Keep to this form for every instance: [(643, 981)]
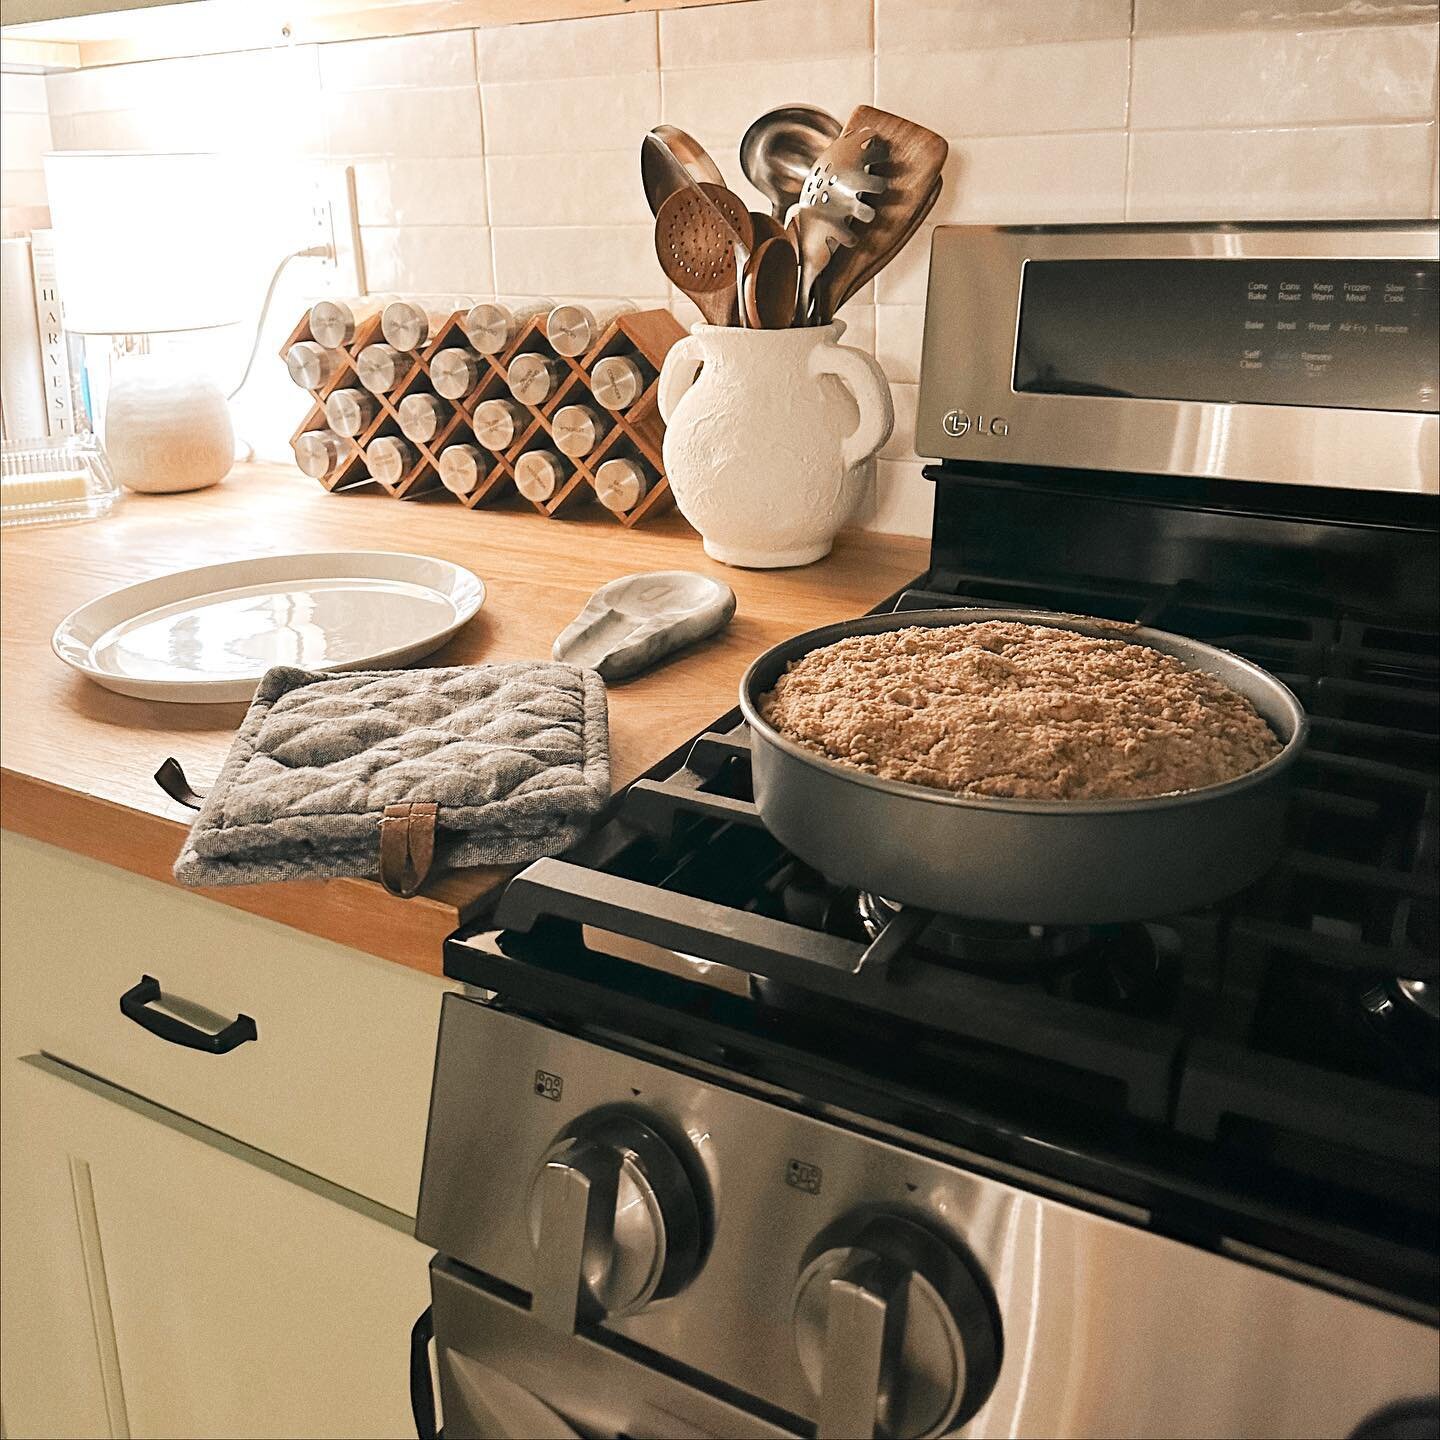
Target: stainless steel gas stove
[(720, 1147)]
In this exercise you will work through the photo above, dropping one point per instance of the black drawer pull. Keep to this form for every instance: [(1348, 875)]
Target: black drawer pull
[(135, 1005)]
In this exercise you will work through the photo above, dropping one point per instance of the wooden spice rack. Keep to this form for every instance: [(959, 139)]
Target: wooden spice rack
[(637, 432)]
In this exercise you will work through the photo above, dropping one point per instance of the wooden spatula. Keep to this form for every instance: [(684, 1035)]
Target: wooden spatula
[(916, 158)]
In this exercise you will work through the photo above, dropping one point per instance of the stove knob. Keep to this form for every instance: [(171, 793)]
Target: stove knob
[(894, 1331), (614, 1222)]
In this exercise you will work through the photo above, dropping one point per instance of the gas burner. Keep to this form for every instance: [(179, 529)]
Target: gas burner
[(1117, 967), (995, 945), (1403, 1001), (1423, 995), (1405, 1014)]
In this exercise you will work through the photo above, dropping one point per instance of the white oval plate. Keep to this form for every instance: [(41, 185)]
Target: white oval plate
[(206, 636)]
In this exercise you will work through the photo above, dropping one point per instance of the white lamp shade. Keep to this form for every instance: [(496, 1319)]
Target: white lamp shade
[(144, 243)]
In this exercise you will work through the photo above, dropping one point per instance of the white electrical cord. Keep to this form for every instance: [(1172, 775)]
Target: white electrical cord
[(312, 252)]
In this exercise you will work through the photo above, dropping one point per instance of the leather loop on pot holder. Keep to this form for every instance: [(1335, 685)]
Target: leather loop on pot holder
[(407, 846), (170, 777)]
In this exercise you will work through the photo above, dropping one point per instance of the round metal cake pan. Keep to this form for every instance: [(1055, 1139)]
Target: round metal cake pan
[(1037, 862)]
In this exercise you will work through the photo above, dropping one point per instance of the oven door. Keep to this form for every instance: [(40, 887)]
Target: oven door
[(504, 1376)]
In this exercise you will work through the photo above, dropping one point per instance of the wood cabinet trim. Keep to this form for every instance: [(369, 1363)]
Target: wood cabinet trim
[(172, 29)]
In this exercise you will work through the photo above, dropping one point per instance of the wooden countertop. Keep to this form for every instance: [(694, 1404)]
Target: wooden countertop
[(76, 761)]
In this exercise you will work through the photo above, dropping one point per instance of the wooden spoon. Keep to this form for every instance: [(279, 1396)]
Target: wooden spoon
[(771, 284), (766, 227), (696, 249)]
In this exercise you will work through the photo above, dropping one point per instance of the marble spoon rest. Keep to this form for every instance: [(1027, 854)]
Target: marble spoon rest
[(631, 623)]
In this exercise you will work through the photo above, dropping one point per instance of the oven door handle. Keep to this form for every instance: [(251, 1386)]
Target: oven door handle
[(422, 1386), (492, 1401)]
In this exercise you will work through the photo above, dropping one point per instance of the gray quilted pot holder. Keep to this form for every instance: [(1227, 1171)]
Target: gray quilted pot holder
[(505, 763)]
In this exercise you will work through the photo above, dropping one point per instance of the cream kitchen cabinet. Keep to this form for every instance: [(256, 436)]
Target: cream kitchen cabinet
[(157, 1285), (202, 1244)]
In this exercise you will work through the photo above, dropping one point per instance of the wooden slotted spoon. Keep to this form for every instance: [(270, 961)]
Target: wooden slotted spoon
[(696, 249)]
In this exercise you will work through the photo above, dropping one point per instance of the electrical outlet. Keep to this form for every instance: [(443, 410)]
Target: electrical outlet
[(334, 224), (322, 228)]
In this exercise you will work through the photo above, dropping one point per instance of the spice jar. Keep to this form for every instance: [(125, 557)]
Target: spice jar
[(539, 474), (349, 411)]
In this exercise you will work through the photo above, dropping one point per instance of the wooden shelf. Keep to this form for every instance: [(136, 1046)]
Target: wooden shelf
[(75, 34)]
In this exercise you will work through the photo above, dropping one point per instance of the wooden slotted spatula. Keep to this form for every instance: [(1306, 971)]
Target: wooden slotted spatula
[(912, 172)]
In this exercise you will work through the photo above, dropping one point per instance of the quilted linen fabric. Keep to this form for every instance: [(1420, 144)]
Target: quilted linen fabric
[(515, 756)]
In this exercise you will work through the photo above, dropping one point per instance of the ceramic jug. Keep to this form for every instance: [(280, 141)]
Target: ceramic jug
[(767, 435)]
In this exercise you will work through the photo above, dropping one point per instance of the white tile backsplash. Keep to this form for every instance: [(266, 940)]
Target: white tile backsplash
[(1034, 179), (1382, 170), (580, 260), (927, 26), (905, 279), (403, 123), (859, 318), (1229, 80), (1169, 17), (435, 61), (429, 259), (899, 335), (904, 499), (1008, 90), (901, 444), (541, 117), (505, 160), (421, 191), (750, 34), (562, 49), (716, 103), (578, 189)]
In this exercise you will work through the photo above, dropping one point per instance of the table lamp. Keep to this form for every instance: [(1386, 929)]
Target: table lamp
[(145, 245)]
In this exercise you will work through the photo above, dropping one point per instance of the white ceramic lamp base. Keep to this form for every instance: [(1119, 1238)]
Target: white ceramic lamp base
[(166, 429)]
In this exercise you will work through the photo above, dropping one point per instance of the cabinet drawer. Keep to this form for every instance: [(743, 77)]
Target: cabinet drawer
[(337, 1078)]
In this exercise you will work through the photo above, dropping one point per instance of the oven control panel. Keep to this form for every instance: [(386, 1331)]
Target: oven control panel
[(851, 1283), (1281, 353), (1353, 335)]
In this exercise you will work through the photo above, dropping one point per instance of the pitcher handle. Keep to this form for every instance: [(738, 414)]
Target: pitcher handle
[(677, 374), (862, 376)]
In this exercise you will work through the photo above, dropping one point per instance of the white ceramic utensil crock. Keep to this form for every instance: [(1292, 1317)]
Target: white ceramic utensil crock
[(767, 435)]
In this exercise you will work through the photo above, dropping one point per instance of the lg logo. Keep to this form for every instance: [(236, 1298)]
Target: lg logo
[(957, 423)]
